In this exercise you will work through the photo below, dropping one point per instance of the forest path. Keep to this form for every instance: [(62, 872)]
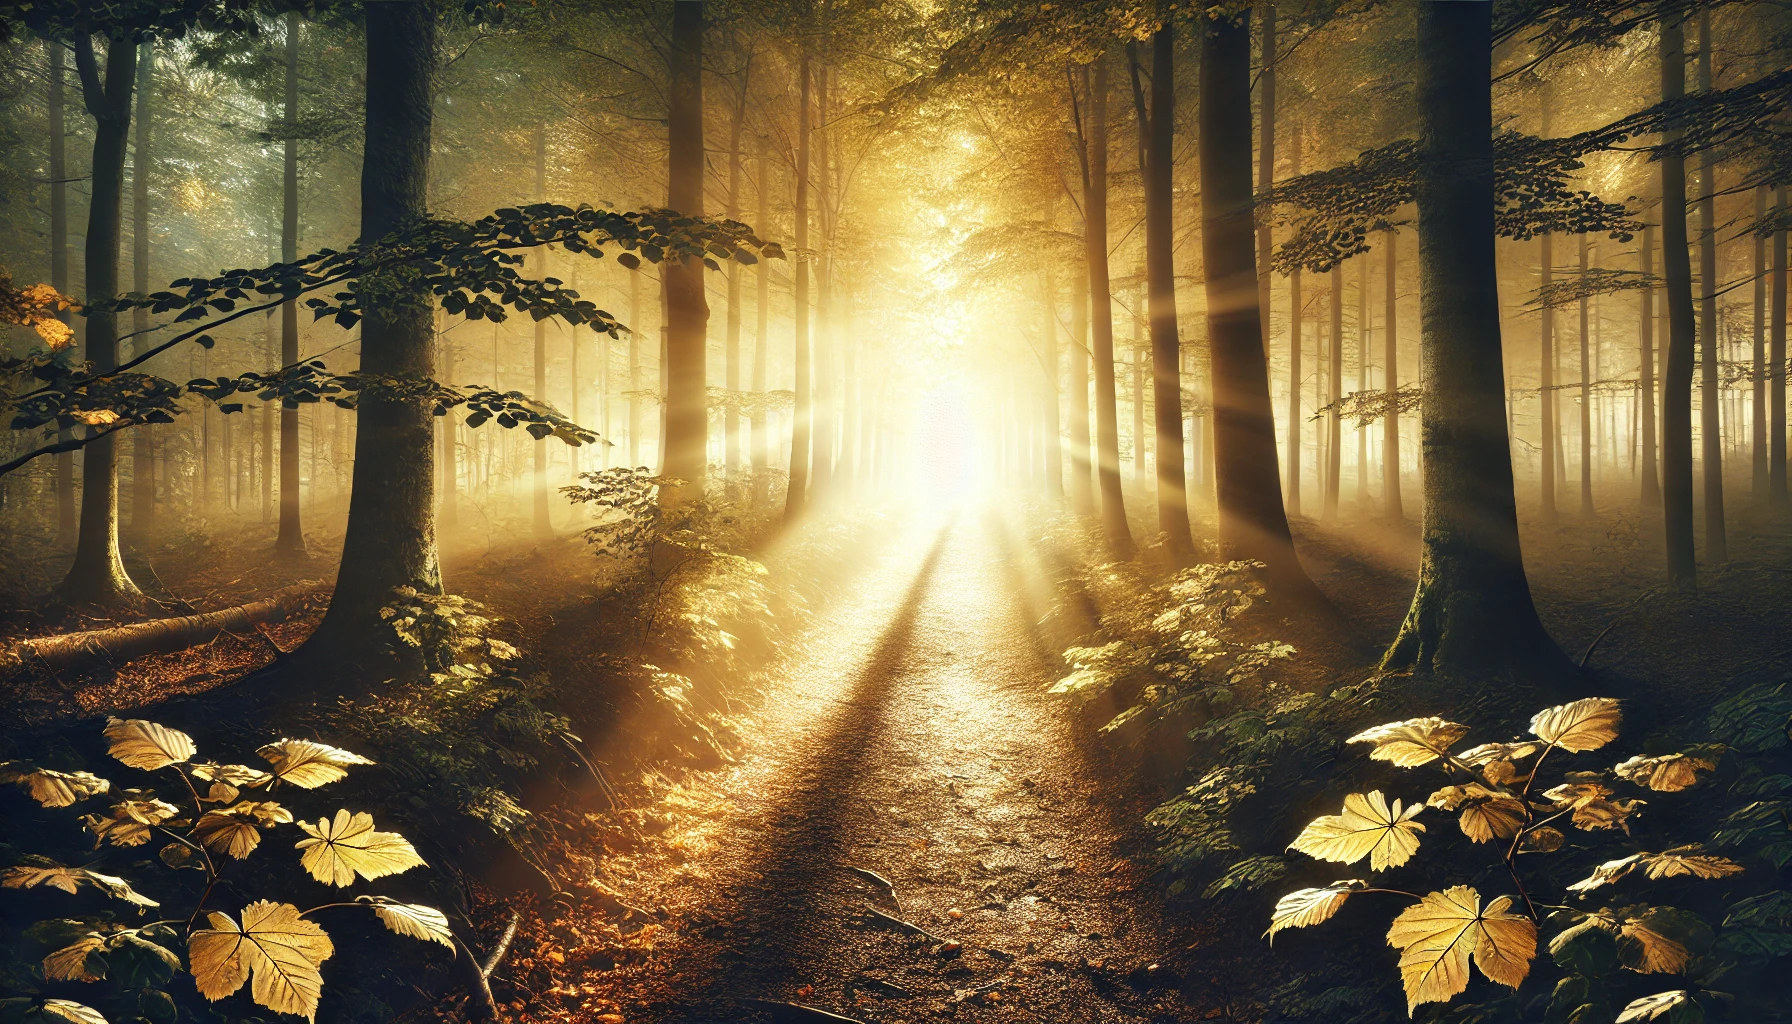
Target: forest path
[(909, 734)]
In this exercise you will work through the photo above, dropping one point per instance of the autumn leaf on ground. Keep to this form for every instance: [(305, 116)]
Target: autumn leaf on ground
[(1659, 1005), (52, 788), (412, 920), (339, 849), (1367, 827), (308, 764), (76, 962), (1437, 937), (1303, 908), (70, 880), (1582, 725), (1669, 773), (1412, 743), (129, 822), (146, 745), (283, 951), (233, 830), (1485, 814)]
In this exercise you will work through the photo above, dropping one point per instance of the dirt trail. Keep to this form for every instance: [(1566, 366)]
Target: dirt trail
[(908, 734)]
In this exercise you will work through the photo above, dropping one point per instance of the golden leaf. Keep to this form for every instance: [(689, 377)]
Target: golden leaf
[(412, 920), (70, 962), (232, 830), (1586, 724), (147, 745), (94, 417), (236, 776), (1688, 861), (1650, 1007), (54, 332), (71, 1011), (130, 821), (69, 880), (1543, 840), (1607, 873), (281, 950), (340, 849), (1669, 773), (1412, 743), (1592, 810), (53, 788), (1367, 827), (1502, 773), (1487, 753), (1437, 937), (220, 793), (1645, 947), (1303, 908), (1485, 813), (308, 764)]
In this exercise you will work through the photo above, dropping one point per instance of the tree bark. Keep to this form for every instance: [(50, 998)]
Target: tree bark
[(1676, 397), (1052, 390), (731, 340), (1758, 388), (1160, 273), (143, 438), (98, 576), (1547, 440), (634, 369), (825, 415), (1390, 437), (761, 343), (1140, 298), (120, 644), (1094, 165), (1266, 158), (291, 539), (1471, 614), (796, 496), (1334, 384), (687, 341), (1253, 522), (66, 526), (1586, 395), (1711, 395), (390, 541), (1776, 358), (1651, 481), (1082, 490), (1296, 349), (538, 480)]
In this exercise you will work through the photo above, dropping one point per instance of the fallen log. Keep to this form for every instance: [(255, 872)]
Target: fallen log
[(119, 644)]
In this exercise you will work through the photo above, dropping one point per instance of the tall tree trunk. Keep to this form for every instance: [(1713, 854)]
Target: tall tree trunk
[(291, 540), (1547, 440), (1390, 430), (761, 343), (98, 576), (1776, 358), (1586, 395), (1082, 490), (1052, 389), (1363, 335), (731, 341), (1711, 395), (391, 538), (1296, 348), (1266, 158), (846, 469), (450, 507), (1758, 388), (1094, 162), (687, 341), (826, 426), (1471, 614), (143, 438), (796, 497), (1651, 496), (270, 359), (66, 526), (1252, 519), (1676, 385), (1160, 273), (634, 368), (1138, 384), (1334, 383), (538, 480)]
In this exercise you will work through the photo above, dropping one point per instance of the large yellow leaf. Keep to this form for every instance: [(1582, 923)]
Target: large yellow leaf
[(1650, 1007), (1689, 860), (1582, 725), (230, 777), (341, 848), (52, 788), (69, 880), (1669, 773), (1591, 805), (147, 745), (1367, 827), (280, 950), (129, 822), (1486, 813), (308, 764), (70, 963), (1303, 908), (1438, 935), (412, 920), (233, 830), (1414, 742), (1487, 753)]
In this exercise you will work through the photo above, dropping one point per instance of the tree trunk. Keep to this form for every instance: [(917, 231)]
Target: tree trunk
[(761, 343), (143, 438), (271, 359), (1547, 441), (291, 540), (826, 420), (1296, 348), (1471, 614), (1101, 311), (796, 497), (1776, 358), (1758, 388), (1334, 383), (731, 342), (1266, 159), (634, 369), (1586, 396), (1651, 496), (1138, 385), (1160, 273), (1253, 522), (98, 576), (1082, 491), (1711, 395), (1390, 436), (1676, 385), (120, 644), (390, 541), (66, 526), (1363, 335), (538, 480), (687, 340), (1052, 390)]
